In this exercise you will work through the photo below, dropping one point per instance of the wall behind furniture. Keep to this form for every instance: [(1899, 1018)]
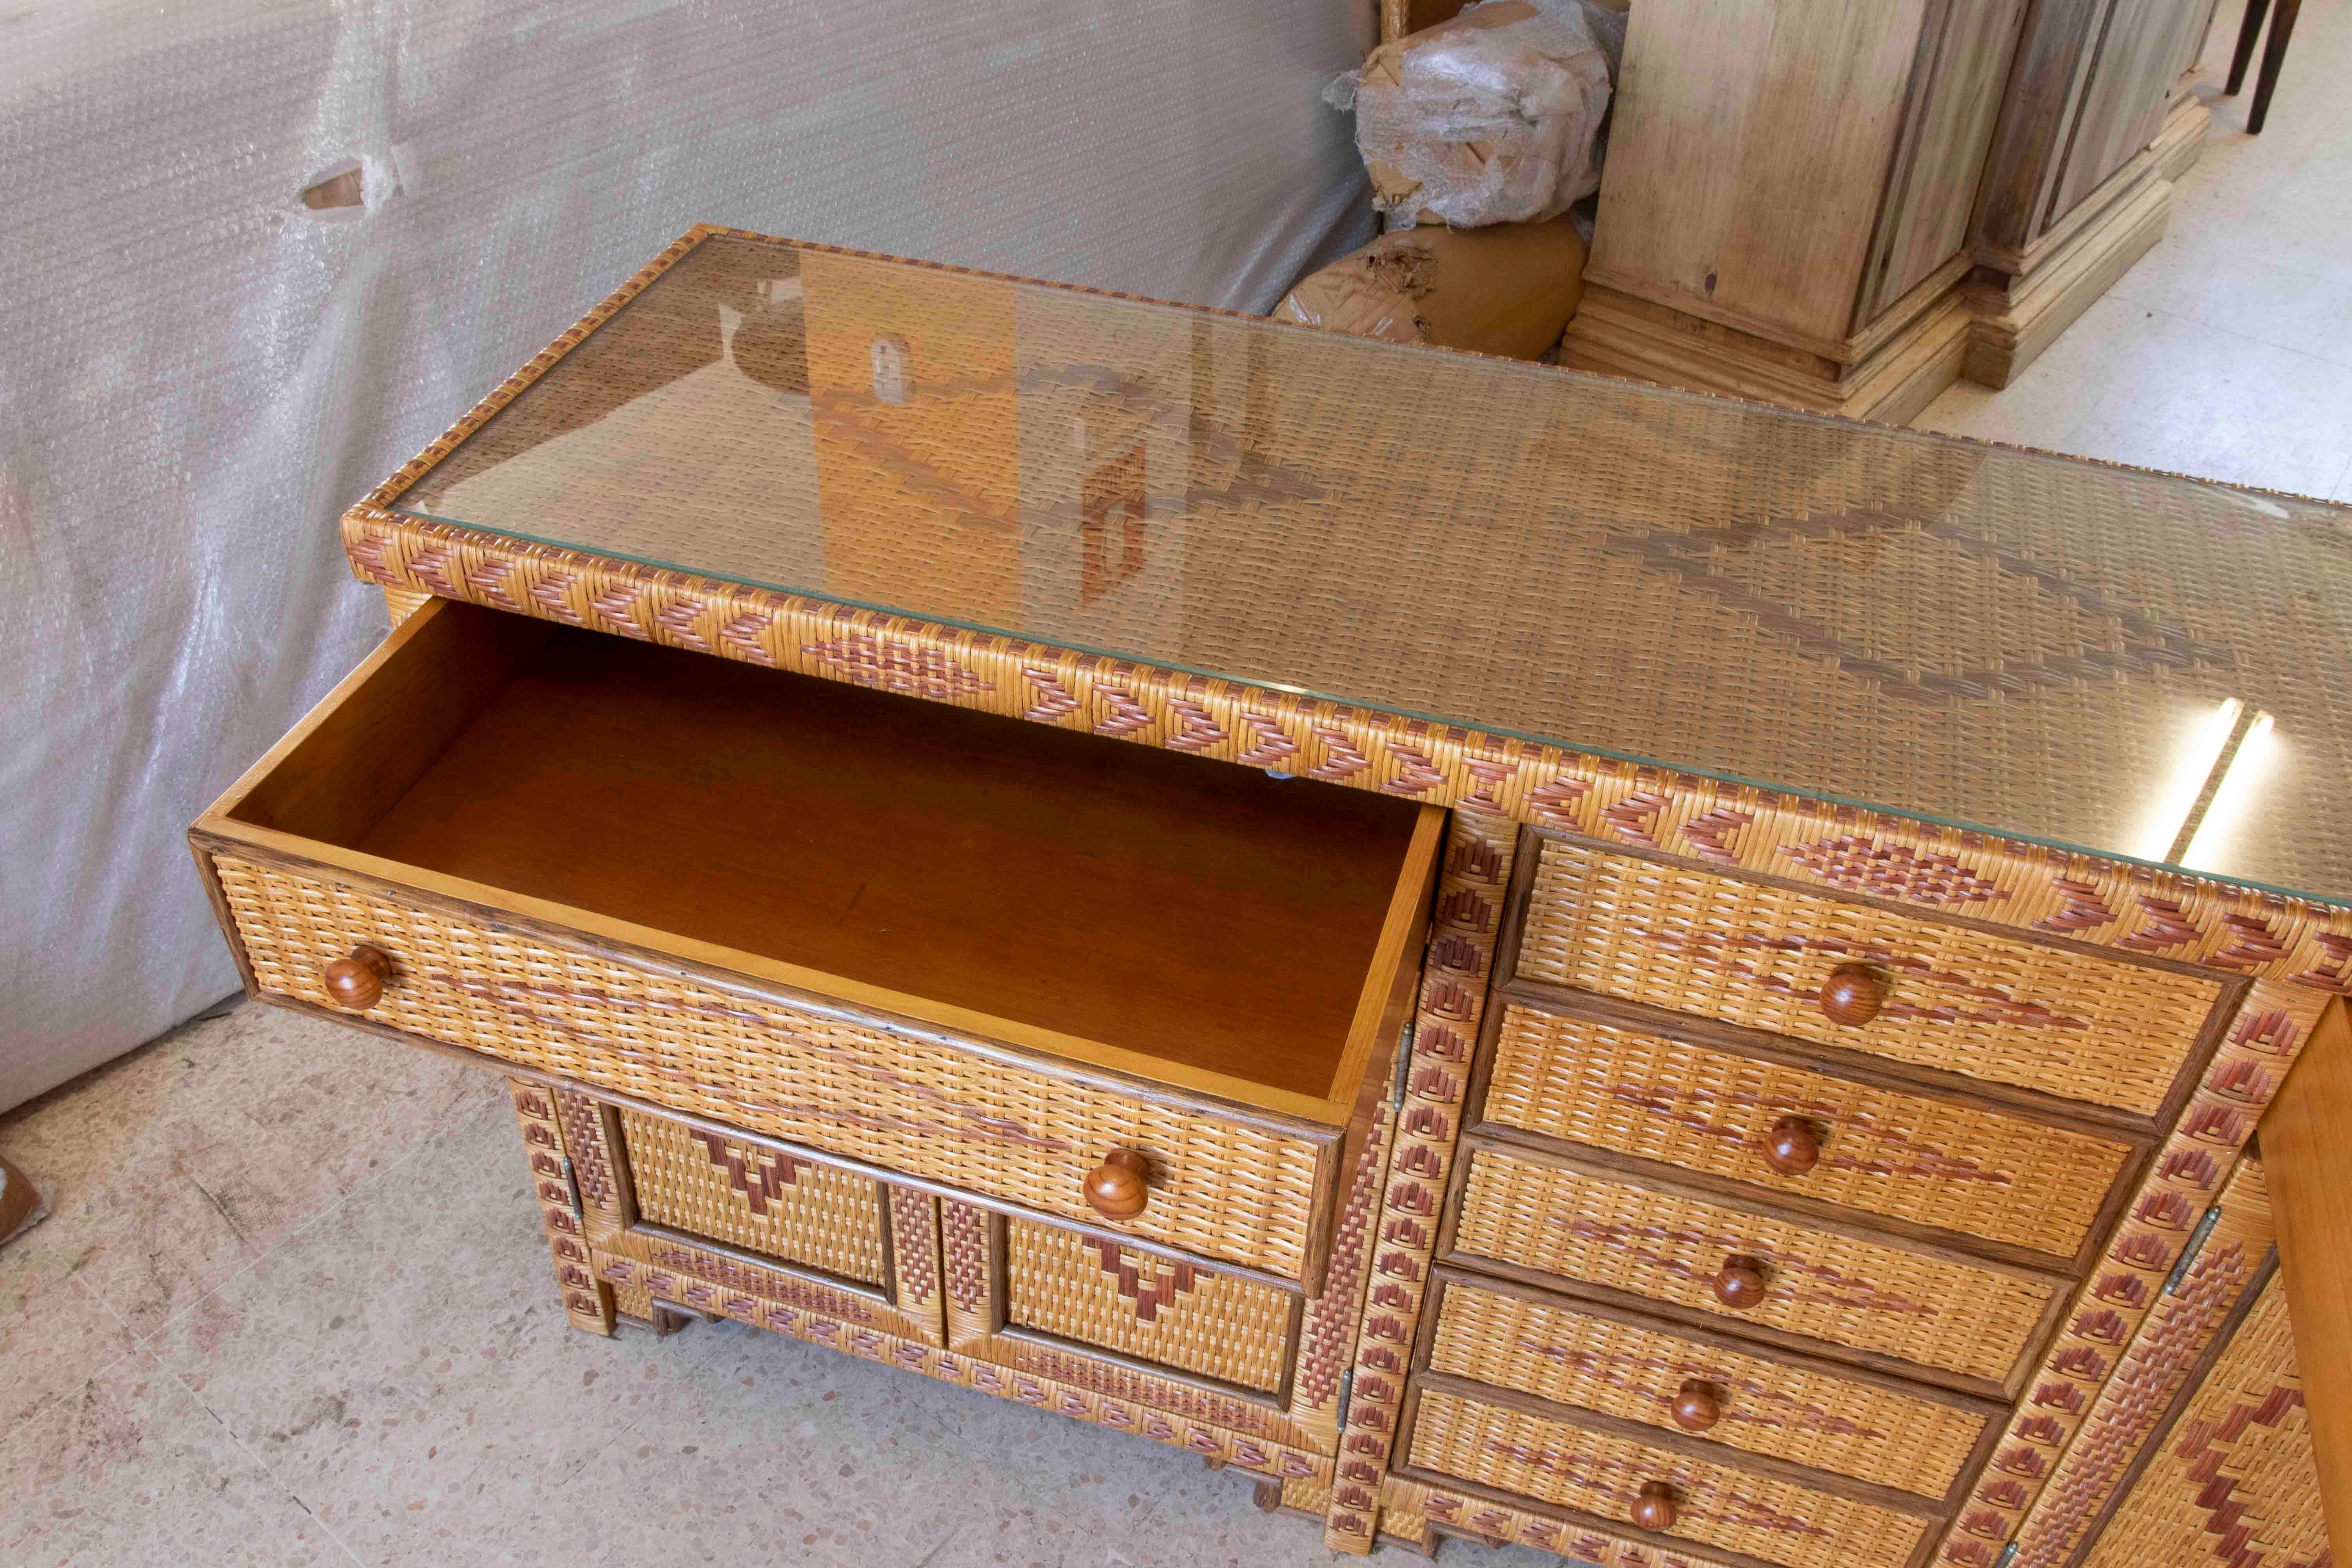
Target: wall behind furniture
[(197, 373)]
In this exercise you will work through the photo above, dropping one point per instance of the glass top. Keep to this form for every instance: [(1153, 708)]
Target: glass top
[(2047, 648)]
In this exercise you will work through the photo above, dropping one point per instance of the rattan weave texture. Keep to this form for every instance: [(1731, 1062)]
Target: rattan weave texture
[(1906, 1156), (1140, 1304), (1962, 1000), (1795, 1413), (2235, 1481), (1719, 1505), (1866, 1296), (1999, 637), (1224, 1190), (755, 1197)]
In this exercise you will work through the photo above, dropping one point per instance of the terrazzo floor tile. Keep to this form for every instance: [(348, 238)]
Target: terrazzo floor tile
[(131, 1468)]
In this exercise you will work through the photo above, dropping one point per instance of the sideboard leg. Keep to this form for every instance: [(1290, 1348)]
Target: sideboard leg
[(587, 1301)]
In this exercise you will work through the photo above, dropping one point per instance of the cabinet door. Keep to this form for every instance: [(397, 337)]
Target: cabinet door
[(1931, 188), (2138, 59)]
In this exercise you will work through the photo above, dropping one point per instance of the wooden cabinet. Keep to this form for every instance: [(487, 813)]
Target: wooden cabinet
[(2097, 124), (1789, 206)]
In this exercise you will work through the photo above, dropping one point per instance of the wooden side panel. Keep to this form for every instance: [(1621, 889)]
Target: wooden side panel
[(2124, 100), (1932, 199), (2053, 57), (2310, 1168), (1749, 152)]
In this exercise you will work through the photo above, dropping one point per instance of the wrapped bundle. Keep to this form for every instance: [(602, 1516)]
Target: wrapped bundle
[(1492, 117), (1506, 290)]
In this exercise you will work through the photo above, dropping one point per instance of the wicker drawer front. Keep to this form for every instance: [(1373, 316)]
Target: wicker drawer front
[(1596, 1473), (1784, 1409), (758, 1198), (1222, 1187), (1883, 1152), (1957, 999), (1141, 1304), (1887, 1299)]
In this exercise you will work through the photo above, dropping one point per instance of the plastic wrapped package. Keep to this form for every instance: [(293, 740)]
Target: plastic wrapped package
[(203, 367), (1509, 289), (1492, 117)]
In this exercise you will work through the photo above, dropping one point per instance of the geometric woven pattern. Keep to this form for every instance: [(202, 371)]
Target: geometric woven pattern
[(1717, 1504), (2234, 1482), (1788, 1410), (1949, 1164), (1141, 1304), (1974, 1318), (755, 1197), (1992, 1007)]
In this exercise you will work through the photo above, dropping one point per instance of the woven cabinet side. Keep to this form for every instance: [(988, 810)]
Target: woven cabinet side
[(1796, 1413), (1226, 1190), (1948, 1164), (1959, 999), (2235, 1481), (1179, 1314), (755, 1197), (1916, 1307), (1597, 1473)]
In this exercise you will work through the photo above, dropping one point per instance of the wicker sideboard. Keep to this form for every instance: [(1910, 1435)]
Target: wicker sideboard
[(1514, 1142)]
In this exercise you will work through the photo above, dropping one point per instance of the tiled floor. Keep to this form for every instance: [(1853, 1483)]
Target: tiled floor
[(2226, 351), (293, 1307)]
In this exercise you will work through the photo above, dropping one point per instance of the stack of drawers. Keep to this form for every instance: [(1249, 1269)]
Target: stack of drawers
[(1770, 1201)]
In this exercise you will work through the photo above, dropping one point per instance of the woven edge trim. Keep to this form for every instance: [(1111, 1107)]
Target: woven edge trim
[(1245, 1450)]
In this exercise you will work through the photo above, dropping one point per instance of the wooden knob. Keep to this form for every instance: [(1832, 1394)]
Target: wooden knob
[(1739, 1283), (1654, 1507), (356, 980), (1115, 1188), (1695, 1406), (1792, 1147), (1853, 995)]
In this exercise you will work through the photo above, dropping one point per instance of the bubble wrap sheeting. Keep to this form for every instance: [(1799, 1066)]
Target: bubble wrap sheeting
[(197, 373)]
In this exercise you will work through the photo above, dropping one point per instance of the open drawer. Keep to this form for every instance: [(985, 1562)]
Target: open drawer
[(987, 954)]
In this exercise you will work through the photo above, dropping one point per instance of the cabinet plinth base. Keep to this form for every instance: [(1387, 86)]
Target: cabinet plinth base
[(2020, 315)]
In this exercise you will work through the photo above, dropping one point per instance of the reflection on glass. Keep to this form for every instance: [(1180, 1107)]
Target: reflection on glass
[(2202, 737), (2242, 794)]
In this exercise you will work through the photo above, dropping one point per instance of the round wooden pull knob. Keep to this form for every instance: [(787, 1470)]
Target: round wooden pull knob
[(1739, 1283), (1792, 1147), (356, 980), (1115, 1188), (1853, 995), (1696, 1409), (1654, 1507)]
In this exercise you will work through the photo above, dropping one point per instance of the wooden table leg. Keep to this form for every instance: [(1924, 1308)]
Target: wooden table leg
[(2274, 56), (2249, 30)]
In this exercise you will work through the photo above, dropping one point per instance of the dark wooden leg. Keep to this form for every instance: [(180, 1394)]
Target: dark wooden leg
[(2248, 31), (2274, 57)]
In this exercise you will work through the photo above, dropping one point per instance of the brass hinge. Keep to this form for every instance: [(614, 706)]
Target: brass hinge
[(571, 1189), (2197, 1240), (2008, 1555)]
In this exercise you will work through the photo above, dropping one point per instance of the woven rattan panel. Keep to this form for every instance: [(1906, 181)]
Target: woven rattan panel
[(755, 1197), (1718, 1504), (1906, 1156), (1141, 1304), (1792, 1413), (2235, 1481), (1965, 1001), (1225, 1191), (1867, 1296)]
